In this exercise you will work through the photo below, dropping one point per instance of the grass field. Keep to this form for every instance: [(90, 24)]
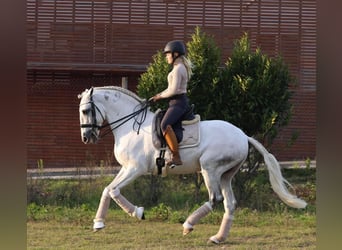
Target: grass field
[(251, 230), (60, 214)]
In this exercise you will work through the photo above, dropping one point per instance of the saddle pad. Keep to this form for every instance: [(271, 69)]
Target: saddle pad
[(191, 133)]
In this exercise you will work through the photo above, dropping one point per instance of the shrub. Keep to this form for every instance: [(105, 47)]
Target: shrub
[(154, 80), (161, 212), (69, 193), (253, 92), (205, 57)]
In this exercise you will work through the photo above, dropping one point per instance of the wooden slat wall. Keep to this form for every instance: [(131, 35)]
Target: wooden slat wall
[(74, 44), (53, 132)]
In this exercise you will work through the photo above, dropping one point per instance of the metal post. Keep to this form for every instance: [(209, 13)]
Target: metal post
[(124, 82)]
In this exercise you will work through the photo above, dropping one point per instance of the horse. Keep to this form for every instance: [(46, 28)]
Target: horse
[(222, 150)]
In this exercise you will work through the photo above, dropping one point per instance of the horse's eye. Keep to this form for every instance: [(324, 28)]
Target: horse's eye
[(85, 111)]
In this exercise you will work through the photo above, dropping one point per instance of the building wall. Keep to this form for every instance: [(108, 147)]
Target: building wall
[(75, 44), (53, 127)]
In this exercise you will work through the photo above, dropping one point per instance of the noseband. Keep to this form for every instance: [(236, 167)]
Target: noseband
[(93, 123)]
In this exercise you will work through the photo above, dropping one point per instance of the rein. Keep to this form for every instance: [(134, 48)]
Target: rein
[(123, 120), (137, 122)]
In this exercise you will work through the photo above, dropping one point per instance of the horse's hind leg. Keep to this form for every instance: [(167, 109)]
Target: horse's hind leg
[(229, 207), (194, 218), (215, 195)]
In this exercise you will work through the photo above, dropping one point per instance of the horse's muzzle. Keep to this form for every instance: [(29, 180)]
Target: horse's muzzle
[(88, 137), (85, 139)]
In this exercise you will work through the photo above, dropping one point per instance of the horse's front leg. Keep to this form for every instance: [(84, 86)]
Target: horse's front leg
[(112, 191)]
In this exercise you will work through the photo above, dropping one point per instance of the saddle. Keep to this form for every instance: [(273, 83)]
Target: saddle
[(189, 129)]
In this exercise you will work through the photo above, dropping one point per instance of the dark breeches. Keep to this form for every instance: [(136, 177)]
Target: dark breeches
[(173, 116)]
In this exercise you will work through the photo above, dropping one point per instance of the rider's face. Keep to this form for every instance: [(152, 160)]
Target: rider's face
[(168, 58)]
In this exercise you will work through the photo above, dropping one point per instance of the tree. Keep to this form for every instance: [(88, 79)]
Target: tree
[(253, 92), (154, 80), (205, 57)]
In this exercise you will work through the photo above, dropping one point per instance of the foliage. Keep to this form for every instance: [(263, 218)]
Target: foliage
[(205, 57), (175, 193), (161, 212), (178, 192), (253, 92), (250, 91), (154, 80), (69, 193), (256, 191)]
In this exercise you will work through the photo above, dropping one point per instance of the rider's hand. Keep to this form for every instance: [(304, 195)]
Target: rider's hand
[(155, 98)]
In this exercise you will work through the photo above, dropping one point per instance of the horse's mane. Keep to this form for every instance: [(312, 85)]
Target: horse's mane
[(123, 90)]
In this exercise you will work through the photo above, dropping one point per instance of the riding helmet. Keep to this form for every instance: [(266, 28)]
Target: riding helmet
[(175, 46)]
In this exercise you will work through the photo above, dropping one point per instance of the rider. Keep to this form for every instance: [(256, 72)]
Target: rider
[(176, 94)]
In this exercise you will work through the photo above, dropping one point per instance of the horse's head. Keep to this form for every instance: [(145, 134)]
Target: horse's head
[(91, 118)]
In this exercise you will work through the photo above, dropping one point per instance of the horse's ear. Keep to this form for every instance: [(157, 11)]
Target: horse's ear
[(79, 96)]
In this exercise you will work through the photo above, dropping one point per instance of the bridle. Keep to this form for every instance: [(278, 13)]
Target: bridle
[(93, 123), (137, 122)]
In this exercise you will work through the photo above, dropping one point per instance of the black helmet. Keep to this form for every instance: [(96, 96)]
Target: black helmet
[(175, 46)]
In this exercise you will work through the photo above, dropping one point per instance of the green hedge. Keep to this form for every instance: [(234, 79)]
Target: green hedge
[(183, 192)]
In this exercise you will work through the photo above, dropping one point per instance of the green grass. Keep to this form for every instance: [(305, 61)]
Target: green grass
[(66, 228), (60, 214)]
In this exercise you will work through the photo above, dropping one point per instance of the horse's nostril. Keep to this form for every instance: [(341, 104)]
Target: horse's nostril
[(85, 139)]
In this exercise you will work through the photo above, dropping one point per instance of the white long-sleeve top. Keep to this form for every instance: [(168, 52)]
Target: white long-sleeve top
[(177, 81)]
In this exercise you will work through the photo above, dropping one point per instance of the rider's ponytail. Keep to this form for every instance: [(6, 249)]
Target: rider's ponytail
[(188, 65)]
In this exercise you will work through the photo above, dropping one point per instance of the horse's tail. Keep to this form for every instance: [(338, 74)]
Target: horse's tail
[(277, 180)]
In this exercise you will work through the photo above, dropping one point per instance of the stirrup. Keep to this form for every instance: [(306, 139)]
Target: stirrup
[(172, 164)]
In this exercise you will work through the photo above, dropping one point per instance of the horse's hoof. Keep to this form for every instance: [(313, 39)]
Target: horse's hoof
[(139, 213), (187, 228), (98, 225), (97, 229), (214, 240), (187, 231)]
